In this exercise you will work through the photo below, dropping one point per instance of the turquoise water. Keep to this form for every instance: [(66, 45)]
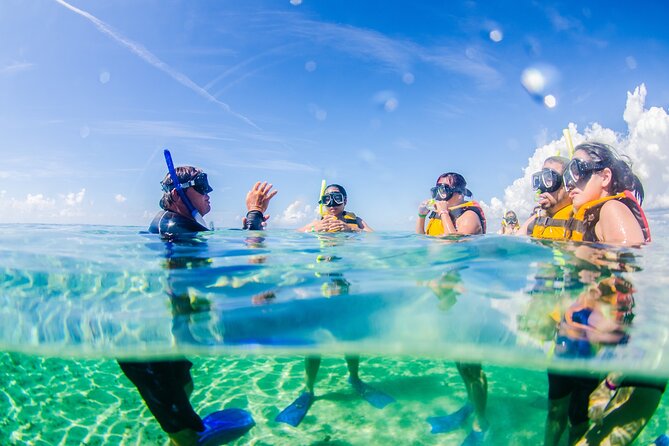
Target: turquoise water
[(246, 307)]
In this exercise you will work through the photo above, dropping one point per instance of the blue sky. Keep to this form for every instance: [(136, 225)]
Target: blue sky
[(380, 97)]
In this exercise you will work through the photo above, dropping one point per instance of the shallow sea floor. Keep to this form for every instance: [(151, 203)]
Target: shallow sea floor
[(72, 402)]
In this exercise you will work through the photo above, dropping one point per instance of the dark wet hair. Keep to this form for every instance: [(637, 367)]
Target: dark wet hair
[(341, 189), (561, 160), (185, 174), (458, 182), (621, 168)]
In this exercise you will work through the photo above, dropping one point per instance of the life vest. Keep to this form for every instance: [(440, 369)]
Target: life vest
[(435, 227), (351, 219), (582, 225), (554, 228)]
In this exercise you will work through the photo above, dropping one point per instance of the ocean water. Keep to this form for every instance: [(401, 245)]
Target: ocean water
[(246, 307)]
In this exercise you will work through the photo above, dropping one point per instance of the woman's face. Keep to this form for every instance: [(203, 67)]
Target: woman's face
[(448, 181), (589, 188), (334, 210)]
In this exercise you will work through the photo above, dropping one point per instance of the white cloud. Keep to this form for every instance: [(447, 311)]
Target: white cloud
[(119, 198), (41, 208), (296, 214), (75, 199), (645, 144)]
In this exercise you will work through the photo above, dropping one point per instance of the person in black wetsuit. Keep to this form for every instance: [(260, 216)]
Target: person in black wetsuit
[(166, 385)]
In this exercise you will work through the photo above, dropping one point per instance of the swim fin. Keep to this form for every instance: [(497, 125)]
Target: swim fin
[(294, 413), (224, 426), (450, 422), (662, 440), (373, 396), (474, 438)]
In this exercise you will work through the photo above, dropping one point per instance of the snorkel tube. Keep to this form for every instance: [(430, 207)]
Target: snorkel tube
[(182, 194), (570, 145), (320, 205)]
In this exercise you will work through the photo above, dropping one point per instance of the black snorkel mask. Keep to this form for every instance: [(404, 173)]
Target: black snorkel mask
[(444, 192), (546, 180), (579, 170), (200, 183), (332, 199)]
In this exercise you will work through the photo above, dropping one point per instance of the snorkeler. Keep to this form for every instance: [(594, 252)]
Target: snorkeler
[(166, 385), (335, 219), (567, 394), (509, 224), (549, 221), (452, 215), (448, 213), (607, 199)]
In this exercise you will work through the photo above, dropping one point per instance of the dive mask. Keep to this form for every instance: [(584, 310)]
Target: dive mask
[(332, 199), (200, 183), (443, 192), (579, 170), (510, 220), (546, 180)]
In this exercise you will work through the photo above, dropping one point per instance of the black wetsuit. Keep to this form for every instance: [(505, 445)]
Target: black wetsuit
[(162, 384)]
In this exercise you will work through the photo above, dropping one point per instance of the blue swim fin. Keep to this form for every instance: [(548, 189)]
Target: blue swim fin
[(662, 440), (294, 413), (373, 396), (450, 422), (474, 438), (223, 426)]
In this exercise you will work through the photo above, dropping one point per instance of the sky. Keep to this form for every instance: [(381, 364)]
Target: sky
[(380, 97)]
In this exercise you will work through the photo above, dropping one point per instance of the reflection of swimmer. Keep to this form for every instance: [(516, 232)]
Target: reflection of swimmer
[(295, 412), (166, 385)]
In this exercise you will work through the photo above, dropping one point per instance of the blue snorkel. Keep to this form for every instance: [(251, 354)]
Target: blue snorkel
[(177, 185)]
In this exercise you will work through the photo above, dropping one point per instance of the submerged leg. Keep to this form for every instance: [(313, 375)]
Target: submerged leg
[(476, 384), (311, 366), (556, 420), (353, 364)]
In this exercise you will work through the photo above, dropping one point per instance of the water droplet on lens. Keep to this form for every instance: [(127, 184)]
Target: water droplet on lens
[(550, 101), (105, 77), (496, 35)]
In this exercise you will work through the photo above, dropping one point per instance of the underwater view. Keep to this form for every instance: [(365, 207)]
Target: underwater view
[(247, 308)]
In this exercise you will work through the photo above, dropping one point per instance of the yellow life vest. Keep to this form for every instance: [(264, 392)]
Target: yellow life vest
[(553, 228), (351, 219), (436, 228), (582, 225)]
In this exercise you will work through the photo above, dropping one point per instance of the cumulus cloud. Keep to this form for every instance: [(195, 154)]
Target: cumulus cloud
[(119, 198), (42, 208), (296, 214), (644, 143)]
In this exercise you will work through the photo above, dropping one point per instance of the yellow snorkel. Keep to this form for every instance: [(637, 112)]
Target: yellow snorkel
[(320, 205), (570, 145)]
